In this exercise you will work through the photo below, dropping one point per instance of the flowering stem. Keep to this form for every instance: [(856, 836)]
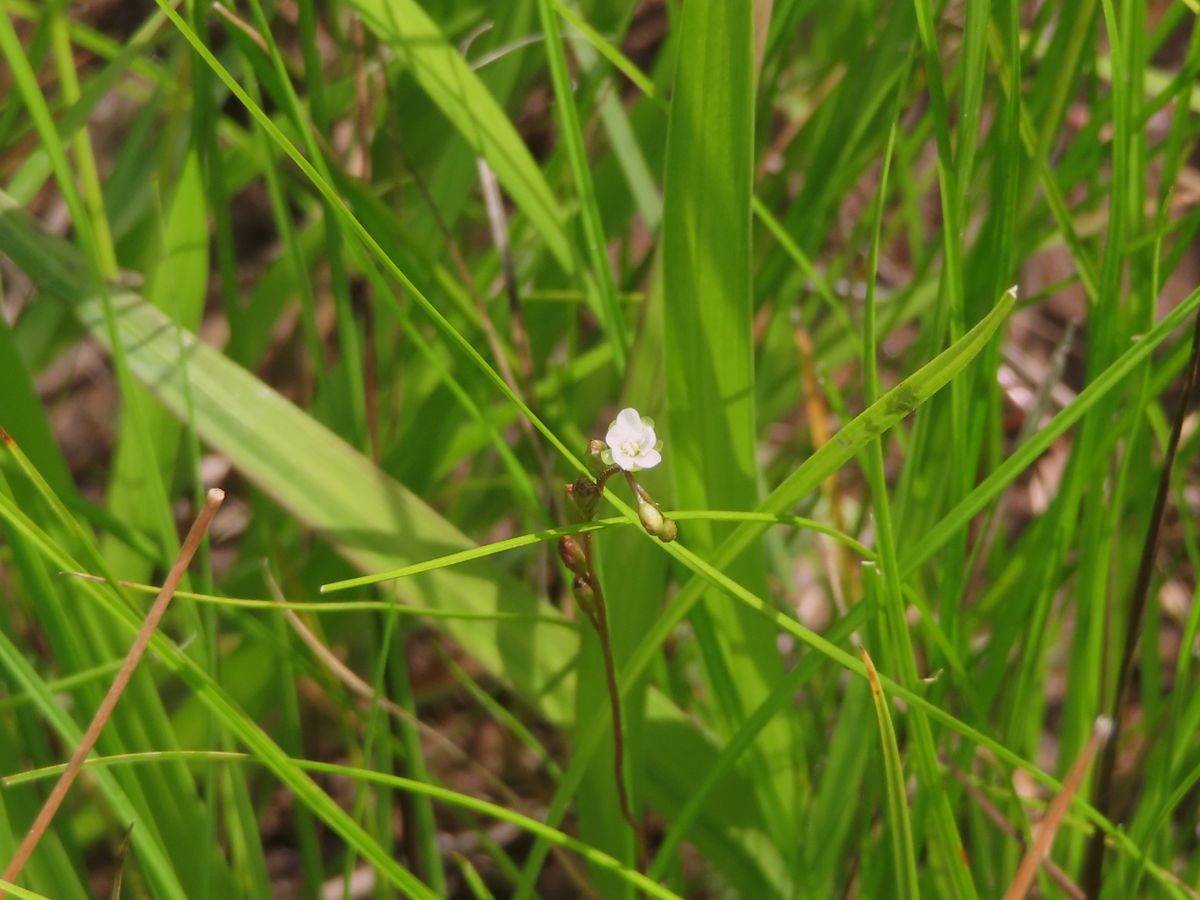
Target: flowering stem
[(599, 618), (637, 489)]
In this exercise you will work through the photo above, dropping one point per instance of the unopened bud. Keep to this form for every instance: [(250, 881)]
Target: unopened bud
[(595, 456), (586, 496), (669, 531), (584, 595), (652, 519), (571, 554)]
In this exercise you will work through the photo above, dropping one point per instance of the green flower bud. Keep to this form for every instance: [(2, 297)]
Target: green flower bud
[(669, 531), (652, 519), (572, 555)]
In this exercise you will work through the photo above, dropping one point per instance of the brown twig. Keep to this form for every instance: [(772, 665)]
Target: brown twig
[(1093, 867), (1043, 839), (124, 674)]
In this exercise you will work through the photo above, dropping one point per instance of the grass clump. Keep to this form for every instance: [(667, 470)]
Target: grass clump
[(908, 291)]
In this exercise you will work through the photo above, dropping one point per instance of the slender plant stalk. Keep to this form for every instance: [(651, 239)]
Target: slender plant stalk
[(1103, 798), (44, 817), (599, 618), (589, 595)]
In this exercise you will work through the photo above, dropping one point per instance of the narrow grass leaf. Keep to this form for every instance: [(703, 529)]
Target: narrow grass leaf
[(904, 854)]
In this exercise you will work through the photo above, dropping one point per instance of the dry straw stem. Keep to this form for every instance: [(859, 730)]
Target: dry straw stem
[(191, 544), (1057, 875), (1042, 841)]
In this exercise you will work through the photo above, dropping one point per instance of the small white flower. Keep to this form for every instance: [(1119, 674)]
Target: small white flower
[(632, 443)]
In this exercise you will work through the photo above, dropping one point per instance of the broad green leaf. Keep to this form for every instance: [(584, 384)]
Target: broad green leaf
[(709, 358)]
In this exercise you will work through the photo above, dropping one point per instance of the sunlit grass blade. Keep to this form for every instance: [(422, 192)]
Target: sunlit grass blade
[(550, 534), (336, 606)]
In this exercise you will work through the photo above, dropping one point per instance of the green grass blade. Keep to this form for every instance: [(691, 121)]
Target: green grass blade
[(904, 854), (549, 534), (595, 241)]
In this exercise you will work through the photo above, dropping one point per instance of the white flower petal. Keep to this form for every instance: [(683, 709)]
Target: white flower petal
[(629, 418), (625, 460), (648, 459), (631, 441)]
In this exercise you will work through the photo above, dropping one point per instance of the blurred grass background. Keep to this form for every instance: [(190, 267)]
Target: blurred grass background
[(380, 268)]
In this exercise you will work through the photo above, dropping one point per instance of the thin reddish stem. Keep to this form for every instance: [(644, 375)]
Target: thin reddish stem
[(600, 620)]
